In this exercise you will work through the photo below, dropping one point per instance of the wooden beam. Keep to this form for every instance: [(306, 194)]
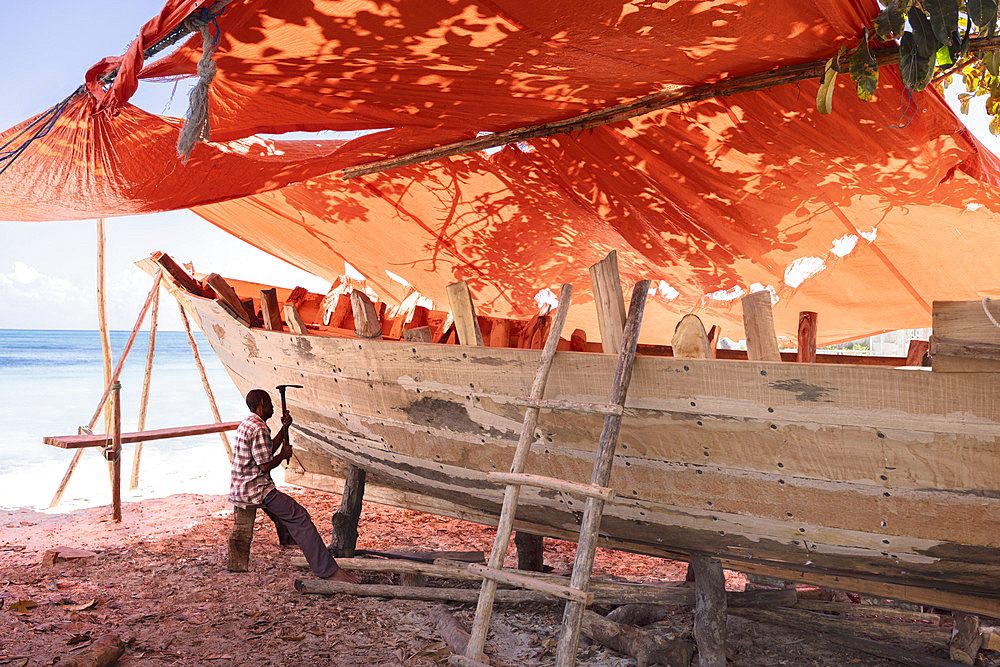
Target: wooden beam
[(690, 340), (102, 440), (965, 639), (916, 352), (269, 310), (808, 327), (340, 312), (366, 320), (204, 381), (714, 334), (115, 455), (578, 341), (500, 333), (226, 296), (418, 335), (610, 303), (762, 344), (344, 539), (530, 551), (639, 107), (181, 277), (710, 611), (295, 323), (463, 311)]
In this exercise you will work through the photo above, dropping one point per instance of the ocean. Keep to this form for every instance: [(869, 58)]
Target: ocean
[(50, 382)]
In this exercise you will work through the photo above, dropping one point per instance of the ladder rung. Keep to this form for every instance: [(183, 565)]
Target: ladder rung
[(462, 661), (542, 482), (522, 581), (552, 404)]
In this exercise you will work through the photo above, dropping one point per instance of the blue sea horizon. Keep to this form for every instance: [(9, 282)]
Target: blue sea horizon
[(50, 383)]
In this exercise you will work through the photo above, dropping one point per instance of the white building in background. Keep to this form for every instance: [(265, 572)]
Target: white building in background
[(896, 343)]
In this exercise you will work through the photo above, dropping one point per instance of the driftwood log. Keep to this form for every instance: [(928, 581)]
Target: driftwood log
[(102, 653), (709, 611), (646, 646), (965, 639), (450, 629), (530, 551), (240, 539), (637, 615), (344, 539), (842, 631)]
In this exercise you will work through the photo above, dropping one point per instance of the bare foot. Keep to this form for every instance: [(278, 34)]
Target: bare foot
[(345, 576)]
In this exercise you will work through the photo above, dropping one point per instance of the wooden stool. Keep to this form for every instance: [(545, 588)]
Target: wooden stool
[(240, 538)]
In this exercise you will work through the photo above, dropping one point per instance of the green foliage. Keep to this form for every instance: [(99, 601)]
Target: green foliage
[(935, 37)]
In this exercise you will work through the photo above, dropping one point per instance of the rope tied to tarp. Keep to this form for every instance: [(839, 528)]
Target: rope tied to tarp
[(906, 113), (986, 310), (196, 125)]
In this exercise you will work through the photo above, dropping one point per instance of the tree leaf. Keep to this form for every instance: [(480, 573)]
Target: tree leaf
[(965, 105), (824, 97), (923, 35), (995, 125), (889, 24), (991, 61), (864, 70), (915, 68), (982, 12), (944, 18), (943, 56), (23, 606)]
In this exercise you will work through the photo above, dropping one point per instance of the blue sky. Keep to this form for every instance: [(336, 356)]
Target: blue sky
[(47, 270)]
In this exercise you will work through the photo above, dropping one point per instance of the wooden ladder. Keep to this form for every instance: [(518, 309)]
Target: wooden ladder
[(597, 492)]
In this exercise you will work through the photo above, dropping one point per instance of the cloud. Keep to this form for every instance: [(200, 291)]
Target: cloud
[(27, 282)]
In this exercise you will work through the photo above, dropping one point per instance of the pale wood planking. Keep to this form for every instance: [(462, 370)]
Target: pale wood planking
[(269, 310), (758, 323), (610, 302), (464, 313), (294, 319), (366, 319), (808, 328), (690, 340)]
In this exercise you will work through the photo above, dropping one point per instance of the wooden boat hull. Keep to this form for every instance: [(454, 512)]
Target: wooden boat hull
[(869, 478)]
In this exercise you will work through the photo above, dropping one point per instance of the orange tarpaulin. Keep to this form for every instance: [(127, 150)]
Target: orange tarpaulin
[(864, 216)]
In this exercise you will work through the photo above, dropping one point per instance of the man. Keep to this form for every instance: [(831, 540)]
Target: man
[(254, 457)]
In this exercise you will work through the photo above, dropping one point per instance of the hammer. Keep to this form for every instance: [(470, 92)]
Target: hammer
[(281, 390)]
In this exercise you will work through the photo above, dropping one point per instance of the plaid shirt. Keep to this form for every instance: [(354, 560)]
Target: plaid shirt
[(253, 449)]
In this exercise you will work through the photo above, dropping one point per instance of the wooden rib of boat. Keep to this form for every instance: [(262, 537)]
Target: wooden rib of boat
[(865, 477)]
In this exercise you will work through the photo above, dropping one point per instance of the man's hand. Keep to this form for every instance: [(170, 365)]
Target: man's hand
[(286, 420), (285, 453)]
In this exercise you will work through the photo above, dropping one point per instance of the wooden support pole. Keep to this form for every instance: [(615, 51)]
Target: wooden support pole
[(295, 323), (269, 310), (710, 611), (366, 320), (102, 318), (965, 639), (107, 390), (344, 539), (808, 327), (115, 455), (530, 551), (610, 302), (240, 539), (762, 344), (147, 375), (505, 525), (586, 548), (204, 381), (464, 313)]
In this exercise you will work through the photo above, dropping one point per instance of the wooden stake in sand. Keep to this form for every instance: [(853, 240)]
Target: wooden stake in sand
[(102, 317), (107, 391), (150, 347), (204, 381), (115, 455)]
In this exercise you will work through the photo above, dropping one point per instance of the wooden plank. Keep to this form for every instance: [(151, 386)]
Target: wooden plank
[(297, 296), (250, 308), (181, 277), (520, 580), (228, 297), (690, 340), (102, 319), (500, 333), (552, 484), (583, 564), (964, 321), (610, 302), (714, 334), (270, 312), (464, 313), (341, 312), (808, 328), (758, 323), (295, 323), (366, 320), (418, 335), (102, 440)]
